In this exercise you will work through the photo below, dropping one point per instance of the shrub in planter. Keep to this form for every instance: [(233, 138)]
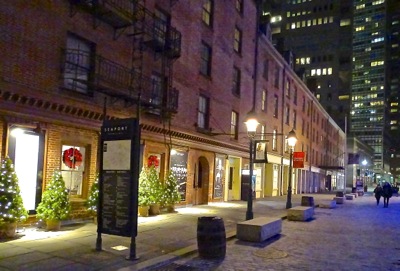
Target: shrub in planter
[(144, 193), (150, 189), (55, 205), (171, 194), (12, 209), (93, 199)]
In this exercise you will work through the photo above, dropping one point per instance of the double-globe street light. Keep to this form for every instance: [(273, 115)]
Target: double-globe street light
[(292, 139), (252, 124)]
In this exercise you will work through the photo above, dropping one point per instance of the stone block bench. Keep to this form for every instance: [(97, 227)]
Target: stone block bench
[(329, 204), (350, 196), (258, 229), (355, 195), (300, 213), (339, 200)]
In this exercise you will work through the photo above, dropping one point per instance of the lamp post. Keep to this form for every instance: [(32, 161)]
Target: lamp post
[(292, 139), (251, 124)]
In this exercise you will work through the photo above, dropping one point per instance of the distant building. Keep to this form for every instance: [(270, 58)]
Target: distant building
[(319, 34), (374, 117)]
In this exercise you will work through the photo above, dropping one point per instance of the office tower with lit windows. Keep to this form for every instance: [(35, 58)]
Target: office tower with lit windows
[(319, 35), (375, 87)]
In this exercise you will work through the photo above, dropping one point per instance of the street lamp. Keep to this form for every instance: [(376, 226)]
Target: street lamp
[(292, 139), (251, 124)]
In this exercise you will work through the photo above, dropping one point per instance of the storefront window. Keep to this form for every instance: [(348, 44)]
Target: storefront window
[(219, 176), (72, 168)]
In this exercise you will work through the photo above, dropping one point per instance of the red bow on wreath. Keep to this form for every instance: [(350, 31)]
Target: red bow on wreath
[(72, 158), (153, 161)]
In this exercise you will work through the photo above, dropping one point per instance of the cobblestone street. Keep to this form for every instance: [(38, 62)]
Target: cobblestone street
[(357, 235)]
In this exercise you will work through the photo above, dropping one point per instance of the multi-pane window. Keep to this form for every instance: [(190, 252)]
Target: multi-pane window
[(294, 119), (264, 100), (266, 69), (236, 81), (77, 70), (277, 75), (72, 168), (295, 96), (303, 106), (203, 112), (156, 91), (302, 126), (205, 66), (274, 145), (287, 114), (287, 88), (237, 43), (276, 105), (161, 22), (234, 125), (239, 6), (208, 12)]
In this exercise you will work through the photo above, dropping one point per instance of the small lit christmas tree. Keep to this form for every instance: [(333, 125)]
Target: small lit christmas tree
[(93, 199), (55, 203), (144, 188), (171, 191), (155, 186), (11, 205)]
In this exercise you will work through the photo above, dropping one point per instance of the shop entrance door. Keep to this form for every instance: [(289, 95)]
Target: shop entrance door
[(25, 149), (201, 182)]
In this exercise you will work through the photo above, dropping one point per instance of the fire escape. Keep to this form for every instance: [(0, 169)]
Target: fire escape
[(156, 44)]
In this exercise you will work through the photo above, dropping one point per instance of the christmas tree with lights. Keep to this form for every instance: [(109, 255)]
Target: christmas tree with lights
[(171, 192), (93, 199), (55, 203), (11, 204)]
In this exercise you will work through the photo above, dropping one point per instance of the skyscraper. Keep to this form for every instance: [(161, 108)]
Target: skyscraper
[(319, 35), (375, 78)]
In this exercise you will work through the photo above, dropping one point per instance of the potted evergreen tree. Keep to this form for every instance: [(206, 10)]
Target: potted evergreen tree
[(155, 191), (55, 205), (12, 209), (144, 193), (171, 194), (93, 199)]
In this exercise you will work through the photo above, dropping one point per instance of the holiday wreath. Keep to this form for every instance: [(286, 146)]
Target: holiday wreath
[(72, 157), (153, 161)]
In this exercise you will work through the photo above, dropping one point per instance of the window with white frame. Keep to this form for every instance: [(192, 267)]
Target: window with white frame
[(203, 113)]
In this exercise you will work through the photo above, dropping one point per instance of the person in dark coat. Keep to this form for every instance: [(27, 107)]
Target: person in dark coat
[(378, 193), (387, 194)]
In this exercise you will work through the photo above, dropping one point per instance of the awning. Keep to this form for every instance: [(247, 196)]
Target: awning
[(332, 167)]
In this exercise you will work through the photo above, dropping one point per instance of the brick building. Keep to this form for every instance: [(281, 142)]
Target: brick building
[(191, 64)]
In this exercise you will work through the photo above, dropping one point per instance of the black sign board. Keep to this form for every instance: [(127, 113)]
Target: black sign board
[(119, 177)]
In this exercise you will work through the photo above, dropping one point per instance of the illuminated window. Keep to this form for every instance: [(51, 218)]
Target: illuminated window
[(237, 44), (207, 12), (345, 22), (72, 169), (234, 125)]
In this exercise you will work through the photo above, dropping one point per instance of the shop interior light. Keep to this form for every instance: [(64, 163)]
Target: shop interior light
[(15, 132)]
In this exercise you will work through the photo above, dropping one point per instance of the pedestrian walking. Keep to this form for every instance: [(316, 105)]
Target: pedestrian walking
[(387, 194), (378, 193)]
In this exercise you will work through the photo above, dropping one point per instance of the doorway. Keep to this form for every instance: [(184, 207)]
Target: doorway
[(201, 182), (26, 149)]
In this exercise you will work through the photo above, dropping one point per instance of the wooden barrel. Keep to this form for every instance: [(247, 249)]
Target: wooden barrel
[(211, 238), (307, 201)]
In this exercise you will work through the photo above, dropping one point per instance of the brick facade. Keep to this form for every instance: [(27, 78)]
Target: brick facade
[(32, 91)]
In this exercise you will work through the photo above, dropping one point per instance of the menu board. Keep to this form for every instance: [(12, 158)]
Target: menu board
[(116, 195), (179, 168)]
